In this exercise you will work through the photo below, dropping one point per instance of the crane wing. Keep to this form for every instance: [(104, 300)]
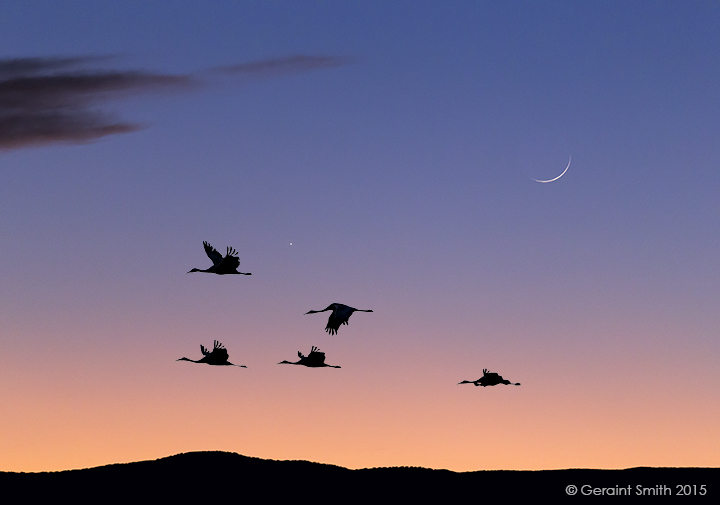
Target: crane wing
[(334, 322), (317, 357), (230, 262), (221, 353), (219, 350), (204, 351), (212, 253)]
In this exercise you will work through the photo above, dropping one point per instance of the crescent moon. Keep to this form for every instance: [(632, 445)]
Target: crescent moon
[(556, 178)]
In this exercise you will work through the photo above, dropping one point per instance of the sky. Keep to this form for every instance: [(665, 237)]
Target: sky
[(380, 155)]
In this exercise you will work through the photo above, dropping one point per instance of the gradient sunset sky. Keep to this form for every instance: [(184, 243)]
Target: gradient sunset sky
[(381, 155)]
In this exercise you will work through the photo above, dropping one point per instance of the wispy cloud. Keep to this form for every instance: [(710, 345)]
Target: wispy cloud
[(45, 100), (23, 67), (282, 66), (49, 100)]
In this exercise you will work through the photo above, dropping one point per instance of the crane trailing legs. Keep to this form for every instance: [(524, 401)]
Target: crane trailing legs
[(340, 315), (489, 379), (315, 359), (218, 356), (221, 266)]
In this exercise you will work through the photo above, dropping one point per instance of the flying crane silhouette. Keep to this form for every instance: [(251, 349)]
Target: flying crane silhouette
[(340, 315), (315, 359), (218, 356), (221, 266), (489, 379)]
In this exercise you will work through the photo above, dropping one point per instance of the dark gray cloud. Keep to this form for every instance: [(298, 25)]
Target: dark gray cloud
[(23, 67), (47, 100), (44, 100)]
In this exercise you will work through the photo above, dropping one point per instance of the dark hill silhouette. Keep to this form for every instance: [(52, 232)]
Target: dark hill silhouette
[(223, 475)]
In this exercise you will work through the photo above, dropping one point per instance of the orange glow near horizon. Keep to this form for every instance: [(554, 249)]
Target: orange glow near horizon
[(355, 418)]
